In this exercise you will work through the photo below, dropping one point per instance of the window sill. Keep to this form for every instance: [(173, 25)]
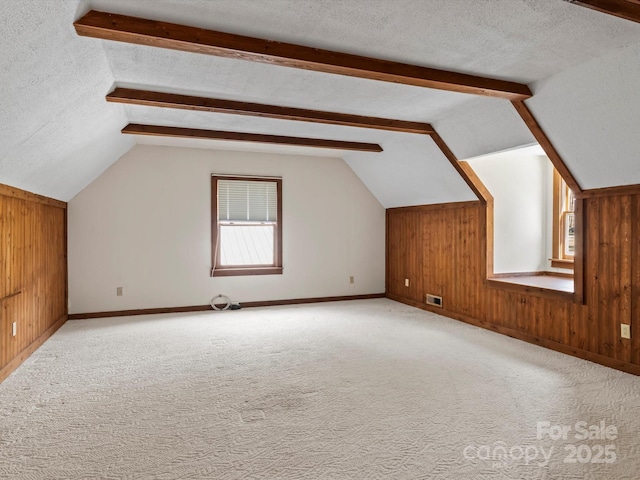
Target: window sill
[(533, 286), (235, 272), (562, 263)]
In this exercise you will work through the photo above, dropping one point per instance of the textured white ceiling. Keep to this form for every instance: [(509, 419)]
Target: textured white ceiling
[(591, 113), (521, 40), (59, 134), (410, 170)]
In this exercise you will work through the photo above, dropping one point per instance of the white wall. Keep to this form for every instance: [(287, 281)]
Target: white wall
[(145, 225), (519, 183)]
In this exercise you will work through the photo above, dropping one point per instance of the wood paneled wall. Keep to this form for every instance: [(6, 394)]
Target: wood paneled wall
[(440, 251), (33, 273)]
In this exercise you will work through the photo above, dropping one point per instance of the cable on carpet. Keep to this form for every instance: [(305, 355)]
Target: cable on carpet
[(229, 304)]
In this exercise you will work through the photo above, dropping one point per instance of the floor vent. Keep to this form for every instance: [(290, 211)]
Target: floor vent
[(434, 300)]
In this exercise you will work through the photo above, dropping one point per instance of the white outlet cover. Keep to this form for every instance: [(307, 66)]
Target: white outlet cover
[(14, 329), (625, 330)]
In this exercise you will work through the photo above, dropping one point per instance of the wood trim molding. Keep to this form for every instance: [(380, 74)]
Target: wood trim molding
[(486, 199), (24, 354), (299, 301), (122, 28), (475, 180), (434, 206), (239, 272), (141, 311), (149, 98), (13, 192), (558, 274), (561, 263), (547, 146), (580, 255), (517, 274), (162, 131), (611, 191), (543, 342), (557, 211), (11, 295), (463, 168), (503, 284), (207, 308), (627, 9), (236, 271), (387, 263), (557, 161), (542, 273)]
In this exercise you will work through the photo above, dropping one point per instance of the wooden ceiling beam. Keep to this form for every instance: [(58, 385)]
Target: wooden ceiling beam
[(464, 170), (547, 146), (122, 28), (162, 131), (148, 98), (627, 9)]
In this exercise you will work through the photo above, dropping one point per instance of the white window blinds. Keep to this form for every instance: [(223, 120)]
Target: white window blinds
[(247, 201)]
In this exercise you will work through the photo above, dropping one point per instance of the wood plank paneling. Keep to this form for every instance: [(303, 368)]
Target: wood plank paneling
[(12, 192), (623, 266), (449, 246), (635, 282), (606, 287), (592, 274), (33, 273)]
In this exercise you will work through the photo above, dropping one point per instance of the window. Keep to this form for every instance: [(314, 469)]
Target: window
[(246, 225), (564, 242)]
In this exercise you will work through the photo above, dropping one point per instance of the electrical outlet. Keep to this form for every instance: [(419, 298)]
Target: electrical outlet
[(14, 329), (406, 282), (625, 330), (352, 279), (119, 291)]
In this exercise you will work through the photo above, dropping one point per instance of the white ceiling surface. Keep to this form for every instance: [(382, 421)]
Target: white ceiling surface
[(484, 125), (520, 40), (410, 170), (518, 153), (59, 134), (591, 113)]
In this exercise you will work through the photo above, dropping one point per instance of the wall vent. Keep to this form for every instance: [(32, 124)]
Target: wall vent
[(434, 300)]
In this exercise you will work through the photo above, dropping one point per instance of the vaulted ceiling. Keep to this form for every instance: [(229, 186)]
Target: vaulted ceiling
[(583, 67)]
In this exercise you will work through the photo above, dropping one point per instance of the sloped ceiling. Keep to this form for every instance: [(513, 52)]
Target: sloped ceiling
[(60, 134)]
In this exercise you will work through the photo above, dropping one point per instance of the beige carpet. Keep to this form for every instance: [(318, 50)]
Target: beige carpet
[(363, 390)]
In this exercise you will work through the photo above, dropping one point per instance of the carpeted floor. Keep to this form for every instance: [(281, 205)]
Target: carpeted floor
[(362, 389)]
